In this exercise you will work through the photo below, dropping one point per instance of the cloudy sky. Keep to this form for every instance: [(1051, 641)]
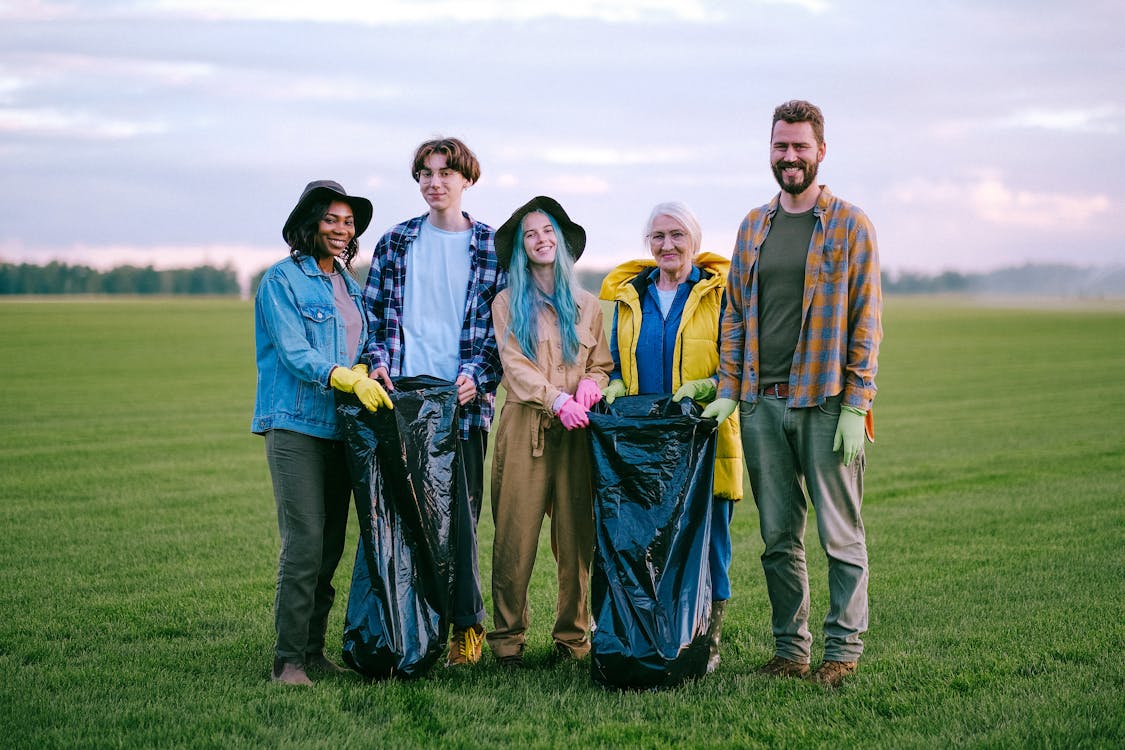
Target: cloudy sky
[(976, 134)]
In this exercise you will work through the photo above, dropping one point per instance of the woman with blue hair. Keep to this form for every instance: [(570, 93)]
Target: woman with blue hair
[(556, 360)]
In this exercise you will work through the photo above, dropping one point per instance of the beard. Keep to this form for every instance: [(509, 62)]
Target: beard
[(808, 169)]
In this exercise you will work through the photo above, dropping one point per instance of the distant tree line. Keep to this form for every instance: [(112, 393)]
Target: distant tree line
[(62, 278)]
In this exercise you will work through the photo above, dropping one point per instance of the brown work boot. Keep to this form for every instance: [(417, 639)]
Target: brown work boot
[(464, 646), (779, 666), (318, 662), (288, 673), (831, 673)]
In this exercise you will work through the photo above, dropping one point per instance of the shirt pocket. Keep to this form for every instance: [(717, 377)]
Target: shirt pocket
[(834, 266), (586, 344), (320, 326)]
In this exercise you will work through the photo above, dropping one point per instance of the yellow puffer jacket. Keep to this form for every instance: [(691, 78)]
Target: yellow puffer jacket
[(696, 352)]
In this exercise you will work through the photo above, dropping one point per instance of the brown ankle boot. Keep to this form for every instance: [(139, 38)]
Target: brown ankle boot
[(715, 633), (289, 673)]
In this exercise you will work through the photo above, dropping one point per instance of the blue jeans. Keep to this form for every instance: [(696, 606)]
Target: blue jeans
[(719, 550), (789, 451), (313, 492)]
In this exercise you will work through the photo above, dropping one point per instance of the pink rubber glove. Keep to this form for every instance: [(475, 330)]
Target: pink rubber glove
[(572, 415), (588, 393)]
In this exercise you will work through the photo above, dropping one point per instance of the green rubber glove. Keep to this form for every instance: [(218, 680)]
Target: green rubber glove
[(720, 409), (699, 390), (849, 433), (370, 393), (615, 388)]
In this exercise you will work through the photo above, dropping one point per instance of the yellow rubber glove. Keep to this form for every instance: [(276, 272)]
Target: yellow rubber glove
[(370, 393), (849, 433), (360, 368), (699, 390), (615, 388), (720, 409)]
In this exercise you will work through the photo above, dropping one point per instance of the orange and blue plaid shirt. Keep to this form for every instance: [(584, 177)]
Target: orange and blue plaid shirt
[(841, 315), (383, 296)]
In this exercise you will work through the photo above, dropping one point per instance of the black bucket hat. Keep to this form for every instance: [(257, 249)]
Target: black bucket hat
[(332, 191), (573, 234)]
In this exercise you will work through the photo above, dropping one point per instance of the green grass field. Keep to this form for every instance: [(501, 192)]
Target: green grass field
[(140, 542)]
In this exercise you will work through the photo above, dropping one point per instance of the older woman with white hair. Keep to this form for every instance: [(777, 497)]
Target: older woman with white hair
[(665, 339)]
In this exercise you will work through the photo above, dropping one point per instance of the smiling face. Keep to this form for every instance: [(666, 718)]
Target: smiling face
[(335, 231), (670, 244), (441, 185), (539, 240), (795, 156)]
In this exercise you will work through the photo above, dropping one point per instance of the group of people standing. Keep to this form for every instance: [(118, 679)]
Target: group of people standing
[(779, 344)]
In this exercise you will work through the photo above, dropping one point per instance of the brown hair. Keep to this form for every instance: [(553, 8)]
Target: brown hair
[(457, 157), (798, 110)]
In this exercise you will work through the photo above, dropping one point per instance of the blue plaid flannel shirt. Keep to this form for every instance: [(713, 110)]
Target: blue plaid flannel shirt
[(383, 299)]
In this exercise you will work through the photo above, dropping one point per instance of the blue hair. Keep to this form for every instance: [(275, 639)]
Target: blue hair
[(527, 298)]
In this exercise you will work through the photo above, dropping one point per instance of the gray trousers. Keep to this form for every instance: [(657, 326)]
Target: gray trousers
[(313, 493), (789, 451)]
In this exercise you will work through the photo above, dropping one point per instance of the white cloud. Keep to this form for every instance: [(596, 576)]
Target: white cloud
[(82, 125), (394, 12), (391, 12), (1094, 120), (169, 73), (616, 157), (583, 184), (1104, 119), (988, 198)]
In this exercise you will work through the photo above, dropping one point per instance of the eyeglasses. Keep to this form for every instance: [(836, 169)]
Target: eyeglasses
[(426, 175), (657, 238)]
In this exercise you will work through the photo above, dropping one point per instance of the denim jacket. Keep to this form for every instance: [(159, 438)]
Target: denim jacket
[(299, 339)]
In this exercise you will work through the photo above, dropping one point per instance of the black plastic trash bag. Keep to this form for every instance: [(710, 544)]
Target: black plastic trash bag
[(653, 462), (404, 464)]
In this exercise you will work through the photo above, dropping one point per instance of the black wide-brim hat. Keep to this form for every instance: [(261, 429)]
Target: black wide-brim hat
[(329, 190), (573, 234)]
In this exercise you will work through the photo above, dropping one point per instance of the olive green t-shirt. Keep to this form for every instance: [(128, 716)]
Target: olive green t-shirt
[(781, 288)]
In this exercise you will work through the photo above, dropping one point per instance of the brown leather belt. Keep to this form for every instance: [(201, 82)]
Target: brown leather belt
[(777, 390)]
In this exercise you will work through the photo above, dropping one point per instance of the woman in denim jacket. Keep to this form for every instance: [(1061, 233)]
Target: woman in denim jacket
[(309, 327)]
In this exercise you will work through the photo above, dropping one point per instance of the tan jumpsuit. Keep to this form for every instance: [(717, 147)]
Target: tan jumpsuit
[(540, 469)]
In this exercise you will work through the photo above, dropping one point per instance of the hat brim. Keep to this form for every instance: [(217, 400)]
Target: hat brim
[(362, 209), (573, 234)]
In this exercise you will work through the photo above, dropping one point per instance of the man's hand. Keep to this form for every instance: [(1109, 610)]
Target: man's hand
[(466, 389), (849, 433), (381, 373)]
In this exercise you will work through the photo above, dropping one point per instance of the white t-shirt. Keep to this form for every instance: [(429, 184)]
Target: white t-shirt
[(437, 281)]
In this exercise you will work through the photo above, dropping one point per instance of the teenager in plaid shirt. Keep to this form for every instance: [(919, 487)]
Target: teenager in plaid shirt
[(799, 343), (429, 308)]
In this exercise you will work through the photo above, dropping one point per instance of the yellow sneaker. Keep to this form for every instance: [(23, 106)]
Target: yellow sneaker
[(465, 645)]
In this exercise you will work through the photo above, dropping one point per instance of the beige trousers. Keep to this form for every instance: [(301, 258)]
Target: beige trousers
[(540, 470)]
